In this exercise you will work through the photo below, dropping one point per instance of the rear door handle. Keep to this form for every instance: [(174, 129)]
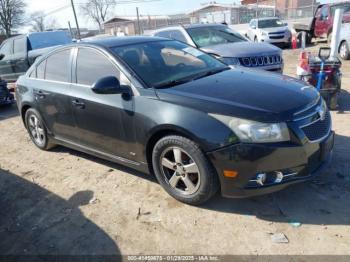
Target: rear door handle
[(78, 103)]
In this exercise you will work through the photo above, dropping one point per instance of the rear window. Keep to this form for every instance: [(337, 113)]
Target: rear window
[(173, 34), (48, 39)]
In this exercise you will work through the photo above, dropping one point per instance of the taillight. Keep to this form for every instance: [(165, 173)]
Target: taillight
[(304, 60)]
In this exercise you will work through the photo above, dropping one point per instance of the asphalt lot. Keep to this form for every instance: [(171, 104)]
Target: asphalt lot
[(66, 202)]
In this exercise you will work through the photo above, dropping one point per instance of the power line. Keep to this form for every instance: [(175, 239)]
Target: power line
[(76, 19)]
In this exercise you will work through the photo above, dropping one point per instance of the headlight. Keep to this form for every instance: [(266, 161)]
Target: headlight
[(230, 60), (255, 132), (263, 33)]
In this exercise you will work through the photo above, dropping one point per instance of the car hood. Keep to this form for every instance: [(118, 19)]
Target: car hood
[(346, 17), (249, 94), (275, 29), (242, 49)]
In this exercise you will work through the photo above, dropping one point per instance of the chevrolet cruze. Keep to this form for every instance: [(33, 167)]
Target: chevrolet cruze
[(163, 107)]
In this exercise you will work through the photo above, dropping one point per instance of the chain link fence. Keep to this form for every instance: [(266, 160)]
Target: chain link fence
[(233, 15)]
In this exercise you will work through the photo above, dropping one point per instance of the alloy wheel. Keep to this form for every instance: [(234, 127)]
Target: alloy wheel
[(36, 130), (180, 170), (343, 51)]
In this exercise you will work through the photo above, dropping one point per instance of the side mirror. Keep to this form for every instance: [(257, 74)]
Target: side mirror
[(2, 56), (108, 85), (286, 24)]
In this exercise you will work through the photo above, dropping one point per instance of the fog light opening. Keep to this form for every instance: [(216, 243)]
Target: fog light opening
[(261, 179), (278, 177)]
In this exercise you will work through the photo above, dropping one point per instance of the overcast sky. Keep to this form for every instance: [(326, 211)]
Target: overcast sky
[(156, 7)]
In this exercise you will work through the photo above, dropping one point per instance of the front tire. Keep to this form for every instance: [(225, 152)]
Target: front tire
[(333, 101), (344, 51), (183, 171), (37, 130)]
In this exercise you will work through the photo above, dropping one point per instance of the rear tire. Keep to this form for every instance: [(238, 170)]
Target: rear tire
[(183, 171), (37, 130)]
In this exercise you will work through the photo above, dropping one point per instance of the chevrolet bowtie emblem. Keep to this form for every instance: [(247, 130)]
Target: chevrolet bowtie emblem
[(322, 113)]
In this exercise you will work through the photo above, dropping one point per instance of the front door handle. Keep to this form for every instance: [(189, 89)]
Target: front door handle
[(78, 103)]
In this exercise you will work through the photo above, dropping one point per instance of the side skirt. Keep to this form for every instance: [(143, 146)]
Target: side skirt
[(139, 166)]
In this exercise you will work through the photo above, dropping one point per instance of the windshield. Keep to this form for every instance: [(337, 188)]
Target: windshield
[(167, 63), (48, 39), (270, 23), (345, 7), (214, 35)]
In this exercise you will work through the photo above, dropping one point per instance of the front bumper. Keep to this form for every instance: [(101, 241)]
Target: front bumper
[(7, 100), (248, 160), (286, 39)]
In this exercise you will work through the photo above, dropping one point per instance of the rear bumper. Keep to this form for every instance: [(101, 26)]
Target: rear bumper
[(248, 160)]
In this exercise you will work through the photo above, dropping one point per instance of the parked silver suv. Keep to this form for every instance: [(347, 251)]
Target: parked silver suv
[(344, 43), (269, 30), (227, 45)]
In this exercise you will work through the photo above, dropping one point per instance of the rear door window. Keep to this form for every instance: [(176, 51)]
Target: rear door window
[(92, 66), (58, 66)]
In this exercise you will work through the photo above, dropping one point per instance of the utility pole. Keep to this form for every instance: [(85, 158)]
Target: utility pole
[(76, 19), (274, 8), (70, 30), (257, 8), (138, 20)]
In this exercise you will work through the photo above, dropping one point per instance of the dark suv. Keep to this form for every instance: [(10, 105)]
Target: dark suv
[(163, 107)]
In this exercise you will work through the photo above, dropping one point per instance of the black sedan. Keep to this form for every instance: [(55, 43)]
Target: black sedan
[(163, 107)]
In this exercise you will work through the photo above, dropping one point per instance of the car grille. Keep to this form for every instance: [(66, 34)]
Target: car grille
[(277, 33), (318, 129), (310, 122), (276, 37), (261, 61)]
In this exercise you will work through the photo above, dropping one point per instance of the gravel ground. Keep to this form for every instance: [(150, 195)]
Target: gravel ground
[(66, 202)]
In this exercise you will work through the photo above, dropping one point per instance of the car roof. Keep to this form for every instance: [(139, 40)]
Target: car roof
[(267, 18), (202, 25), (187, 26), (115, 41)]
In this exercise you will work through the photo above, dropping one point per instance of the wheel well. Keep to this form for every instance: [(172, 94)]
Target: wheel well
[(23, 113), (341, 42), (153, 141)]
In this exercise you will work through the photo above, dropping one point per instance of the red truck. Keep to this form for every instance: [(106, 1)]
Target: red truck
[(321, 24)]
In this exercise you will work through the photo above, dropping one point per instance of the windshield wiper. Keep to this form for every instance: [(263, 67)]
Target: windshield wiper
[(190, 78), (211, 72), (172, 83)]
